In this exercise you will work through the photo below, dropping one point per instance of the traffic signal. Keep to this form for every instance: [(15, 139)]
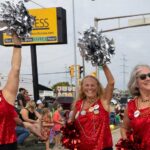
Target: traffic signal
[(81, 69), (94, 74), (71, 70)]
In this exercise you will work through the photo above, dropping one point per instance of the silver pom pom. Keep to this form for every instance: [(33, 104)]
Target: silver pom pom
[(15, 18), (96, 48)]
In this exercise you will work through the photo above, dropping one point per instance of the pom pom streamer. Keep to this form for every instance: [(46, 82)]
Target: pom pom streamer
[(96, 48), (70, 136), (133, 142), (14, 17)]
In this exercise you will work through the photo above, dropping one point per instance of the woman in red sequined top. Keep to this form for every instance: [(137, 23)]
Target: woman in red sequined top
[(91, 113), (137, 113), (7, 100)]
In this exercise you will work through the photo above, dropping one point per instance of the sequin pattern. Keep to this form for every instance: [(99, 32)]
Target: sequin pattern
[(94, 128), (140, 124), (7, 123)]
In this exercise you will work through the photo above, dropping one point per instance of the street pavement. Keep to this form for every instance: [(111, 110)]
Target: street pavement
[(116, 136), (31, 143)]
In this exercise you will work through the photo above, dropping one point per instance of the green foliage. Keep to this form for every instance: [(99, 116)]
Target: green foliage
[(60, 84)]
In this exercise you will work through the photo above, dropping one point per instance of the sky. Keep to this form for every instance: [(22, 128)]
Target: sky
[(132, 45)]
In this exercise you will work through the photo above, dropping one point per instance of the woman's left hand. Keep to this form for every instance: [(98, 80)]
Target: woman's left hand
[(16, 39)]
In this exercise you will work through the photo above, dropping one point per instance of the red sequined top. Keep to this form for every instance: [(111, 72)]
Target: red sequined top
[(7, 122), (93, 124), (140, 124)]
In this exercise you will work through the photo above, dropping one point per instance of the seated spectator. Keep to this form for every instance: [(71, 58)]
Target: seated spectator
[(31, 119), (58, 123), (47, 123), (22, 133), (40, 105)]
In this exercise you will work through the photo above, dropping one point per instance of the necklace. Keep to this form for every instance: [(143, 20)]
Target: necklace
[(91, 101), (95, 111), (145, 100), (138, 113)]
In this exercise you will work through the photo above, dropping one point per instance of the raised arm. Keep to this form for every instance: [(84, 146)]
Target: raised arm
[(11, 87), (108, 91)]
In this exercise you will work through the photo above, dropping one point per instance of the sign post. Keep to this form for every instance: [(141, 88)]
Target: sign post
[(49, 28)]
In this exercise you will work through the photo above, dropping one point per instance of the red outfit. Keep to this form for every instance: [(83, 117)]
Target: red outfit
[(7, 122), (57, 117), (94, 128), (140, 124)]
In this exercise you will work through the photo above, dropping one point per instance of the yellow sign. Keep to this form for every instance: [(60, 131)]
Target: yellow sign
[(45, 29)]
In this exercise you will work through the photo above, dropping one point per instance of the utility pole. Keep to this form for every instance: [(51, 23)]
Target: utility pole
[(124, 60), (96, 27), (75, 51), (66, 70)]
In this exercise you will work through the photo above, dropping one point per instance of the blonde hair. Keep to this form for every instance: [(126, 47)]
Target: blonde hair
[(82, 95), (46, 111), (132, 84), (31, 104)]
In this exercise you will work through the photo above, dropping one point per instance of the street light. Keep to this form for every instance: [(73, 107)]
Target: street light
[(96, 20)]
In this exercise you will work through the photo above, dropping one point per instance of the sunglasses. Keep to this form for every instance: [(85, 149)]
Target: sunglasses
[(143, 76)]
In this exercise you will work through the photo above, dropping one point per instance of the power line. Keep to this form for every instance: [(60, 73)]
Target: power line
[(49, 73), (53, 60), (37, 4)]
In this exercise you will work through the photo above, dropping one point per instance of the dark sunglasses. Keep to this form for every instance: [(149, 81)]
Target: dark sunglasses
[(143, 76)]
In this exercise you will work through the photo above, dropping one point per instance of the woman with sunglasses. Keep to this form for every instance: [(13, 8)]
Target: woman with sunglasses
[(137, 113)]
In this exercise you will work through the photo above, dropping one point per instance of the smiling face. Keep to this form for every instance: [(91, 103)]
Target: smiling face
[(90, 87), (143, 83)]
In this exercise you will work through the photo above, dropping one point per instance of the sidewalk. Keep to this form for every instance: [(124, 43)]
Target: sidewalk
[(32, 144)]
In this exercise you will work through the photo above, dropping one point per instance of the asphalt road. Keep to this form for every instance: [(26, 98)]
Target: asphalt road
[(116, 136)]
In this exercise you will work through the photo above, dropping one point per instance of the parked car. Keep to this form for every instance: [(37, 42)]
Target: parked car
[(65, 101)]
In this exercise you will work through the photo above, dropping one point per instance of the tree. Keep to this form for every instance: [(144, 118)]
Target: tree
[(60, 84)]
